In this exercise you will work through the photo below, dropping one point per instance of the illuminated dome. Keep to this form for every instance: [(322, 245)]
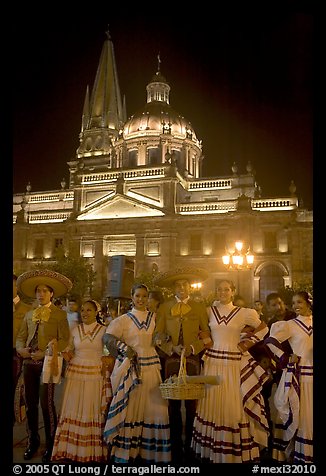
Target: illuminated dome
[(158, 117), (157, 135)]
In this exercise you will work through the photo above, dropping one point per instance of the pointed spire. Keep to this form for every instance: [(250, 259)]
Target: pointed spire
[(103, 111), (108, 33), (158, 63), (85, 117), (124, 109), (105, 102)]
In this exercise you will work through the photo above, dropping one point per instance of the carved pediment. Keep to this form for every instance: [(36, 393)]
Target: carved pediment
[(119, 206), (150, 194), (93, 198)]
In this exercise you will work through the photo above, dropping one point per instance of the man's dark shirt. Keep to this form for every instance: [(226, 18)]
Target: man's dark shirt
[(287, 316)]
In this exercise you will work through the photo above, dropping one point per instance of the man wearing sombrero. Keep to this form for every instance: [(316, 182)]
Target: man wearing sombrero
[(44, 328), (19, 310), (179, 323)]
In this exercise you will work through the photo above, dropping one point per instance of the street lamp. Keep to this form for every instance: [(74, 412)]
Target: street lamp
[(238, 260), (196, 288)]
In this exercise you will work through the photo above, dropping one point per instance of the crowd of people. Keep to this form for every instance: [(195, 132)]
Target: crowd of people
[(111, 364)]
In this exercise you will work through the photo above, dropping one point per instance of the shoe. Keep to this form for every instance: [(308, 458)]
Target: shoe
[(31, 450), (46, 457)]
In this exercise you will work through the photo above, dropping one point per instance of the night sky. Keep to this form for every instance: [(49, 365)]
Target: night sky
[(244, 81)]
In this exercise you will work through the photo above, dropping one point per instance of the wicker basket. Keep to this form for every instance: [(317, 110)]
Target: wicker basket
[(179, 389)]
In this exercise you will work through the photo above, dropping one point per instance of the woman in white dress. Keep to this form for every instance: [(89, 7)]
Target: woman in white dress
[(79, 434), (293, 399), (230, 424), (137, 425)]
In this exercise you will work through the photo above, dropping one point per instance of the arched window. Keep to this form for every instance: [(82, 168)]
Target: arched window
[(132, 158), (153, 156), (271, 280), (154, 268)]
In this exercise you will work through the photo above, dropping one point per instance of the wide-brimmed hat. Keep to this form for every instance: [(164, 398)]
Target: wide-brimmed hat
[(192, 275), (27, 282)]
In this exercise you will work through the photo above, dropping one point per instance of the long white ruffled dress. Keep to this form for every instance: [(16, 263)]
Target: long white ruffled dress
[(137, 424), (79, 434), (293, 399), (230, 424)]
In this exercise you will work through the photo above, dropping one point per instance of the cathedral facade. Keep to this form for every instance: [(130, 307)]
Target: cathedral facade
[(136, 191)]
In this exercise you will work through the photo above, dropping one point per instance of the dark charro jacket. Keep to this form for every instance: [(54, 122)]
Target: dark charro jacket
[(192, 323), (56, 327)]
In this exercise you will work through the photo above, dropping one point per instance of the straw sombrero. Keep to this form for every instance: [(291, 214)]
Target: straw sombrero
[(191, 274), (27, 282)]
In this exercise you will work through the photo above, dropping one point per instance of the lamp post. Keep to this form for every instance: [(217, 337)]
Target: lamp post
[(238, 260)]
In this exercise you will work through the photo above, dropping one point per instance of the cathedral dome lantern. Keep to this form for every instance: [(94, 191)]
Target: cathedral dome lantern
[(158, 89)]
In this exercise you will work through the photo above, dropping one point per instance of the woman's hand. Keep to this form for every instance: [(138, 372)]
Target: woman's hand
[(67, 355), (25, 353), (160, 338), (205, 336), (107, 364), (37, 355), (243, 346), (294, 359), (130, 353)]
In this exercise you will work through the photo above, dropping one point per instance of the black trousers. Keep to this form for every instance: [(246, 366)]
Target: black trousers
[(176, 425), (35, 393), (172, 366), (16, 369)]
